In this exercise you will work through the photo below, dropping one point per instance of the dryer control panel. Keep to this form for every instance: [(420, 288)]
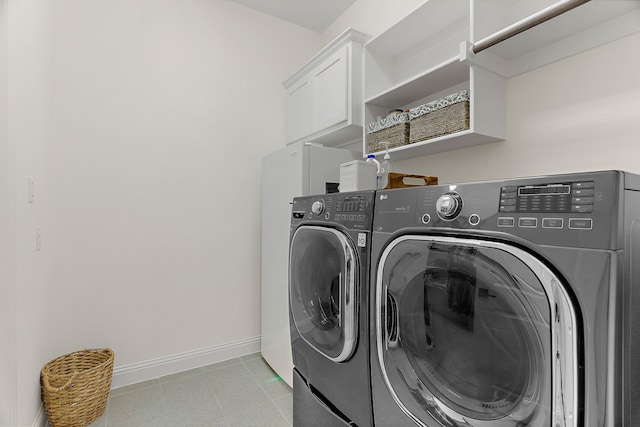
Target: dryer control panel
[(582, 210), (576, 197)]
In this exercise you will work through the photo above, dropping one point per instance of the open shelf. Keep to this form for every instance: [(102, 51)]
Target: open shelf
[(424, 40), (450, 142), (429, 54), (448, 74), (419, 60)]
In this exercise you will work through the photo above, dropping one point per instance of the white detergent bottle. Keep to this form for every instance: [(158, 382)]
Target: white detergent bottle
[(371, 158), (385, 167)]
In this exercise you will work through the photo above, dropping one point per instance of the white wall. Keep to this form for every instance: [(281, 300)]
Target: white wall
[(370, 17), (578, 114), (144, 123), (29, 131), (8, 331)]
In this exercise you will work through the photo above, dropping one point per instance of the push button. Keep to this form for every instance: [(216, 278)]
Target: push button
[(528, 222), (507, 209), (582, 193), (581, 223), (506, 221), (552, 222), (580, 185), (582, 208), (582, 200)]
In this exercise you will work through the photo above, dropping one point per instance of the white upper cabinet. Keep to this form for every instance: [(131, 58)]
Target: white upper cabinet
[(331, 96), (324, 98), (299, 119)]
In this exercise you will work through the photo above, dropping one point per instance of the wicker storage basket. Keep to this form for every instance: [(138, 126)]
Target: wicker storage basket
[(394, 129), (75, 387), (441, 117)]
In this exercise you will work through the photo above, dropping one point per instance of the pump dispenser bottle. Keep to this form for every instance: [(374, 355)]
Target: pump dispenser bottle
[(371, 158), (385, 167)]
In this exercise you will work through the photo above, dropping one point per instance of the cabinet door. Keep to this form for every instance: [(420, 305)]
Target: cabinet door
[(330, 84), (299, 110)]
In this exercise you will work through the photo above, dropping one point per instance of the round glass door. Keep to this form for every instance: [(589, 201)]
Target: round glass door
[(322, 286), (476, 334)]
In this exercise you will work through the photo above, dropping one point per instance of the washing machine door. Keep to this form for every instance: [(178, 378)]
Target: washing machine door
[(322, 290), (475, 333)]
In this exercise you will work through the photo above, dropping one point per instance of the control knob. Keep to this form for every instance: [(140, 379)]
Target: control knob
[(317, 207), (449, 206)]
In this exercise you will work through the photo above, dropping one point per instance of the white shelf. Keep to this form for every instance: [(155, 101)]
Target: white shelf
[(428, 54), (428, 21), (450, 142), (424, 40), (448, 74), (419, 60)]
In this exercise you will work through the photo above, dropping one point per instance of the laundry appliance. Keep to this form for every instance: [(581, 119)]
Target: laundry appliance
[(328, 299), (508, 303), (299, 169)]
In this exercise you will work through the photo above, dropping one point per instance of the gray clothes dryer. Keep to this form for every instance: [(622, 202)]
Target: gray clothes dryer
[(508, 303), (328, 300)]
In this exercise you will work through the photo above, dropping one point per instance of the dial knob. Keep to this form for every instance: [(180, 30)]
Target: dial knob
[(317, 207), (449, 206)]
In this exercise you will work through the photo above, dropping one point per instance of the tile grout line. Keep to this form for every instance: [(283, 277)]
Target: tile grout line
[(202, 371), (284, 416), (213, 394)]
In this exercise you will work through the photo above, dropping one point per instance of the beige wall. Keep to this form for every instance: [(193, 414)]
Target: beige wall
[(8, 331), (143, 123), (370, 17)]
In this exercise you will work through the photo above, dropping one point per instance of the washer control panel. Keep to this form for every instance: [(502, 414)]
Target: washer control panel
[(353, 210)]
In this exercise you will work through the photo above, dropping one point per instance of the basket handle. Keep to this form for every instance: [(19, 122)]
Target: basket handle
[(51, 389)]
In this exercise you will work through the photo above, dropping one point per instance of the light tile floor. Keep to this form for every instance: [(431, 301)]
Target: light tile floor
[(235, 393)]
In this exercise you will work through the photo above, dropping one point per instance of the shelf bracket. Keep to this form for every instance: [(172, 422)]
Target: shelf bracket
[(488, 60), (526, 24)]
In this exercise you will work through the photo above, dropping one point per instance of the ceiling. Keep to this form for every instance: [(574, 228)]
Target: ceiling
[(315, 15)]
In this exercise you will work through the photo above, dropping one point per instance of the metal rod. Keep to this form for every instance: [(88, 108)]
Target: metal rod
[(526, 24)]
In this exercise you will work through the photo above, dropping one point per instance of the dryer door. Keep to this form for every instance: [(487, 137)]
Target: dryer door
[(475, 333), (322, 285)]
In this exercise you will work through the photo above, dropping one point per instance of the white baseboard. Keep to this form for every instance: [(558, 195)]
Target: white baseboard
[(41, 419), (150, 369)]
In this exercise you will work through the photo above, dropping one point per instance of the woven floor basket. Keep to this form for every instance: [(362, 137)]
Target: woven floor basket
[(75, 387)]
